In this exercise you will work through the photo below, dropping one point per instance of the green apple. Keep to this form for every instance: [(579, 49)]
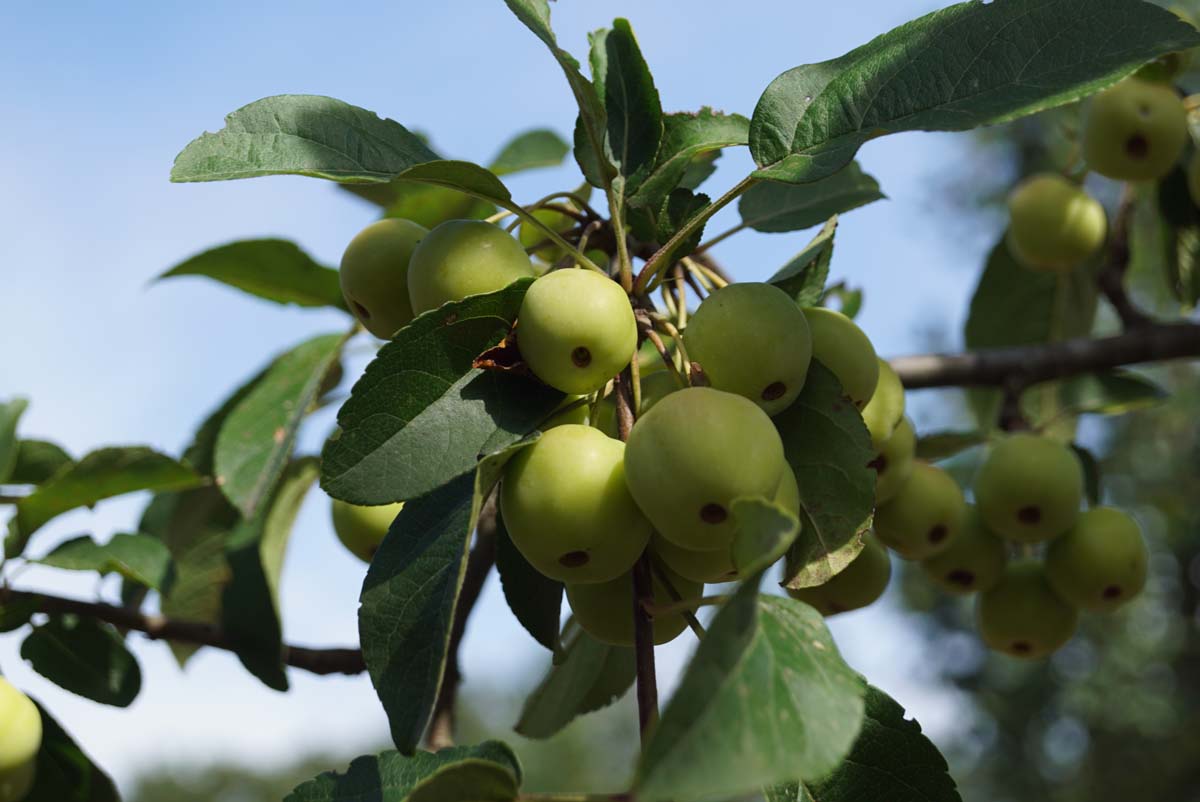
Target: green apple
[(841, 346), (20, 740), (894, 462), (751, 339), (859, 584), (573, 409), (925, 516), (576, 330), (374, 275), (460, 258), (1053, 224), (1100, 563), (1022, 615), (885, 410), (361, 529), (1029, 488), (973, 562), (1134, 131), (655, 388), (692, 454), (532, 237), (605, 609), (565, 504)]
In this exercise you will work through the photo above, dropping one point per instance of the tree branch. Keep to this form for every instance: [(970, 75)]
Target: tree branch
[(1111, 278)]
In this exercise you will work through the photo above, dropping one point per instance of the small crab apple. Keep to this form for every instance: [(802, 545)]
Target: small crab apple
[(973, 562), (20, 740), (533, 237), (925, 516), (460, 258), (894, 462), (567, 509), (1100, 563), (1053, 224), (859, 584), (575, 330), (885, 410), (691, 455), (1029, 488), (751, 339), (605, 609), (841, 346), (374, 274), (573, 409), (1022, 615), (362, 529), (1134, 131)]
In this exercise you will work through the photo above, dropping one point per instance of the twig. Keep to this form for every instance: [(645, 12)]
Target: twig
[(1111, 278)]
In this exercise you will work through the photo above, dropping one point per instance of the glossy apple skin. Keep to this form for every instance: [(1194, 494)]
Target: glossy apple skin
[(1022, 616), (894, 462), (576, 330), (374, 275), (1029, 488), (692, 454), (20, 740), (362, 529), (565, 503), (858, 585), (840, 345), (752, 339), (972, 563), (1053, 224), (925, 516), (460, 258), (605, 610), (1100, 563), (1134, 131), (885, 410)]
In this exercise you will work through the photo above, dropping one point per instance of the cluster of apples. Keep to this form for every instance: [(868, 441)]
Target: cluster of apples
[(20, 740)]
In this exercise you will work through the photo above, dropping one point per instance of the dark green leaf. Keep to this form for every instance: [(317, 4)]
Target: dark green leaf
[(37, 461), (257, 437), (827, 445), (85, 657), (766, 699), (1113, 392), (772, 207), (274, 269), (534, 598), (679, 207), (1168, 213), (16, 613), (940, 445), (962, 67), (632, 108), (488, 772), (1091, 472), (765, 531), (688, 140), (101, 474), (805, 275), (590, 675), (421, 415), (140, 558), (10, 414), (64, 773), (540, 147)]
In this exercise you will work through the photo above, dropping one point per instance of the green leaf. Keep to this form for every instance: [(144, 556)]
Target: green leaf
[(101, 474), (15, 613), (530, 150), (37, 461), (962, 67), (805, 275), (827, 445), (421, 415), (1091, 473), (488, 772), (64, 773), (10, 414), (772, 207), (634, 124), (940, 445), (140, 558), (258, 435), (892, 759), (250, 613), (85, 657), (766, 699), (591, 675), (687, 138), (765, 531), (274, 269), (534, 598), (1113, 392)]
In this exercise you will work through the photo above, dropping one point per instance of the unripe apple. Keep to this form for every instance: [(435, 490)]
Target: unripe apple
[(20, 740), (361, 529), (1100, 563), (857, 585), (460, 258), (655, 388), (1134, 131), (605, 609), (925, 516), (1029, 488), (573, 409), (973, 562), (1022, 615), (567, 509), (531, 236), (841, 346), (894, 462), (374, 275), (885, 410), (1053, 224), (751, 339), (691, 455), (575, 330)]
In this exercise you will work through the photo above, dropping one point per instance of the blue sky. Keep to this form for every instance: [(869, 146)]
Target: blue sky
[(98, 101)]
